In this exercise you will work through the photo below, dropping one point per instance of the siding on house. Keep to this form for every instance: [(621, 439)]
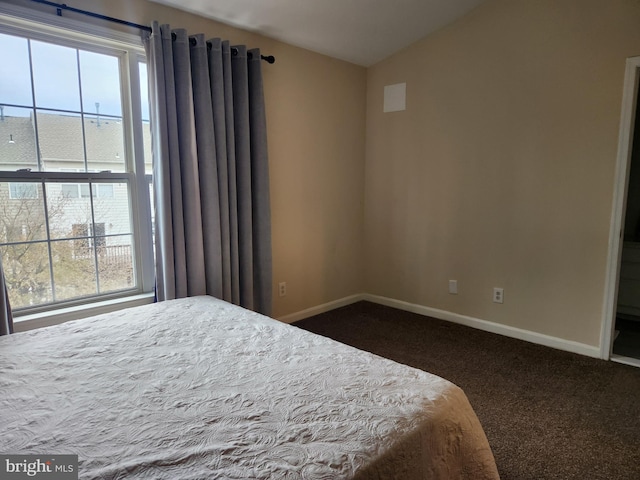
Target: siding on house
[(62, 150)]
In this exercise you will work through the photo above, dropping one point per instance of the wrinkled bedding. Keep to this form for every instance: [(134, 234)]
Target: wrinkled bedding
[(201, 389)]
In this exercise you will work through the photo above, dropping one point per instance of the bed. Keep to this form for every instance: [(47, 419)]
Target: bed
[(198, 388)]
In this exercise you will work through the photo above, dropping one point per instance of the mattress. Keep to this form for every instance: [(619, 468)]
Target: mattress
[(198, 388)]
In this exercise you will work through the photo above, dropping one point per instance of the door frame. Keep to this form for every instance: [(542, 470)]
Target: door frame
[(621, 184)]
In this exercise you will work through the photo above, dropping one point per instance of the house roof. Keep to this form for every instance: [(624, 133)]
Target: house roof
[(60, 142)]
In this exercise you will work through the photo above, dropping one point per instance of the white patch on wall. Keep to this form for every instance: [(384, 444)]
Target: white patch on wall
[(395, 97)]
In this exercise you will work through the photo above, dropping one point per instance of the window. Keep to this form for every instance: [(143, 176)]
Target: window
[(74, 190), (22, 191), (74, 199), (86, 235)]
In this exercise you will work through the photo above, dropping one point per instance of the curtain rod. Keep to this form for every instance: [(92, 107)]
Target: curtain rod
[(62, 6)]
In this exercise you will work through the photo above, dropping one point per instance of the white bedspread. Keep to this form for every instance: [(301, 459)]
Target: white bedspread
[(199, 389)]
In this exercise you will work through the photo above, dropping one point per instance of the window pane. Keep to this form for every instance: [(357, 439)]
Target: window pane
[(153, 217), (17, 139), (65, 212), (146, 137), (114, 211), (115, 263), (60, 138), (22, 215), (105, 143), (55, 76), (100, 76), (98, 232), (23, 191), (144, 90), (26, 270), (105, 190), (69, 190), (85, 191), (15, 74), (61, 110), (74, 269), (146, 126)]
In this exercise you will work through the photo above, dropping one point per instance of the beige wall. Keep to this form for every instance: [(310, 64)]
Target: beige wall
[(500, 173), (316, 127)]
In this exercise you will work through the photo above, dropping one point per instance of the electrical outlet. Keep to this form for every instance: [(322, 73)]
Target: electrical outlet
[(453, 287), (498, 295), (282, 288)]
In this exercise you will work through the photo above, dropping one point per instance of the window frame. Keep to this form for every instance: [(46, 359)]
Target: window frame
[(30, 23)]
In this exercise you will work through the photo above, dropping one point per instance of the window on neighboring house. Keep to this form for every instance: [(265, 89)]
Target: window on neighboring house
[(22, 191), (99, 190), (74, 198), (86, 236)]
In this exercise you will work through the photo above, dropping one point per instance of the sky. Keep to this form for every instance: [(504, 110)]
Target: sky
[(64, 79)]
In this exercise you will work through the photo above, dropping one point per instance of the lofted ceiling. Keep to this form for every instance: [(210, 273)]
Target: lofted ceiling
[(358, 31)]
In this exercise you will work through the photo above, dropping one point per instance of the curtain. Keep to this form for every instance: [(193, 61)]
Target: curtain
[(210, 173), (6, 318)]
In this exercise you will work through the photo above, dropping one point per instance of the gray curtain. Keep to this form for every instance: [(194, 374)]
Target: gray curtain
[(210, 173), (6, 318)]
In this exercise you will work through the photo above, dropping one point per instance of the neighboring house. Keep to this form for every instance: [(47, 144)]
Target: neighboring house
[(103, 220), (61, 150)]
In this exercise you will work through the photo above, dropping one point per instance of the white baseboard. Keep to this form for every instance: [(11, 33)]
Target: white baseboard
[(506, 330), (325, 307), (634, 362), (500, 329)]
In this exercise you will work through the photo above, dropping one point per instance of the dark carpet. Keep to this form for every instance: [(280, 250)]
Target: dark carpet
[(548, 414)]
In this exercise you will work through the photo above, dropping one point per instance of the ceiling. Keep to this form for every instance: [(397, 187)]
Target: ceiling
[(358, 31)]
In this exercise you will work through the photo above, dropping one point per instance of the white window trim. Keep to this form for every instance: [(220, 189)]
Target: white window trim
[(76, 312), (49, 22), (18, 18)]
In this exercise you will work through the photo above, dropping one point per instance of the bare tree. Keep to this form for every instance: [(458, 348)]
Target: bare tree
[(30, 260)]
